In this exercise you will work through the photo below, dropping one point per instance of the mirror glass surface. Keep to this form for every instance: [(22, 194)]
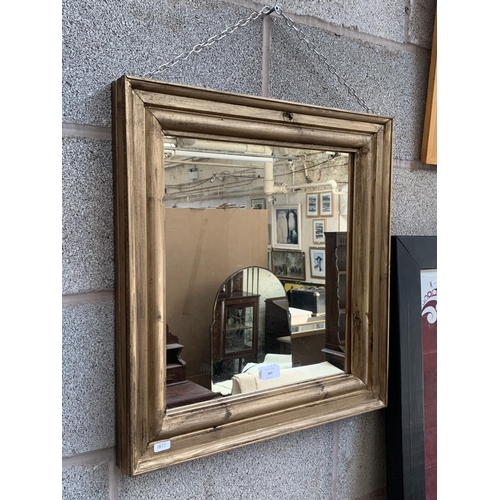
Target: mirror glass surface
[(239, 324), (255, 265)]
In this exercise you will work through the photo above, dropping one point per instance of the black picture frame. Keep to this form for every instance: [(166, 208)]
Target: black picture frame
[(286, 264), (404, 415)]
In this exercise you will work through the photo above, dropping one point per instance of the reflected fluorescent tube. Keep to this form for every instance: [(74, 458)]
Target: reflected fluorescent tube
[(219, 156)]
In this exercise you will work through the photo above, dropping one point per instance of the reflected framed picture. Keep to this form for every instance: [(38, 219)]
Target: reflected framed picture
[(288, 264), (286, 227), (258, 203), (411, 417), (326, 203), (312, 205), (317, 262), (319, 228)]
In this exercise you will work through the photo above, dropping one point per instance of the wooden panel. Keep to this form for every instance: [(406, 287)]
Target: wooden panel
[(429, 142), (203, 248)]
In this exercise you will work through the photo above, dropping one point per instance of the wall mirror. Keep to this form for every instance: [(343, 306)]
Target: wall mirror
[(252, 265)]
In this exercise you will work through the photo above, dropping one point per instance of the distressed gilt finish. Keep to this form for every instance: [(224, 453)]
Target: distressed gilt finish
[(144, 110)]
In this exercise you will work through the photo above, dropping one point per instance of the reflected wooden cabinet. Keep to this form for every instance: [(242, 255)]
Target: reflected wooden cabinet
[(176, 366), (235, 329), (308, 342), (277, 324), (305, 341), (336, 295), (180, 390)]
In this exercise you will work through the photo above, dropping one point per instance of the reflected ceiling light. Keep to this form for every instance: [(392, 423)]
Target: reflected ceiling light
[(172, 153)]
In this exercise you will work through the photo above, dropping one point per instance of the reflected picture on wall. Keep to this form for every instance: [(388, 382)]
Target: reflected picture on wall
[(318, 262), (312, 204), (286, 230), (319, 228), (289, 265), (326, 203), (258, 203)]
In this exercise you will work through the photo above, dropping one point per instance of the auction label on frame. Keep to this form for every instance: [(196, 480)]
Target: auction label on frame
[(164, 445)]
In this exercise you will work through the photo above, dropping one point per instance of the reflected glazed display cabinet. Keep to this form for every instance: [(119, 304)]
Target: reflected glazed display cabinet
[(235, 329)]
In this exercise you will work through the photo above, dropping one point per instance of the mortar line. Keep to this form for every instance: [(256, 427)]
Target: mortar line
[(86, 131), (113, 478), (315, 22), (89, 458), (93, 132), (266, 55), (407, 20), (90, 297), (335, 472), (413, 165)]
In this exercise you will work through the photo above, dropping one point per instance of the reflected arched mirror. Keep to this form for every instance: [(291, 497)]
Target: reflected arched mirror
[(259, 341), (240, 324)]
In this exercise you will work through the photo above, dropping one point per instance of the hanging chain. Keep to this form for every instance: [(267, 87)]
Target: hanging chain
[(209, 41), (314, 48), (266, 10)]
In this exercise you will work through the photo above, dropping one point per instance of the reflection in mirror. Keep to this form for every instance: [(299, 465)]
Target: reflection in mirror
[(240, 324), (255, 264)]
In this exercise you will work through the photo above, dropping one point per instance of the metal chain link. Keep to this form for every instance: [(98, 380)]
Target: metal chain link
[(209, 41), (313, 47), (266, 10)]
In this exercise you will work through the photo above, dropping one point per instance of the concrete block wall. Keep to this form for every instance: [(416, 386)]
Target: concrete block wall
[(382, 47)]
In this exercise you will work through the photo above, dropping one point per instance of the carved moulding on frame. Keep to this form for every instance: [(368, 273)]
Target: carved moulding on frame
[(143, 110)]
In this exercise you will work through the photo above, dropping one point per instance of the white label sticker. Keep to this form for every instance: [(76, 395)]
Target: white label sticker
[(164, 445), (269, 371)]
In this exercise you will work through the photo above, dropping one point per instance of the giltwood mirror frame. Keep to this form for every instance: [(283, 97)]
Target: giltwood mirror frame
[(143, 110)]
